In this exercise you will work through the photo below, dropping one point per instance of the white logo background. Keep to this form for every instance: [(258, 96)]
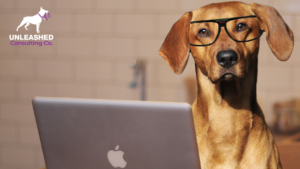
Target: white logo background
[(115, 157)]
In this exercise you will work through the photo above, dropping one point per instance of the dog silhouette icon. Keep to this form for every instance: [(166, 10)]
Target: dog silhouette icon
[(35, 20)]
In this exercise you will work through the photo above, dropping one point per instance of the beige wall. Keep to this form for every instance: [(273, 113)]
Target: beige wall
[(93, 42)]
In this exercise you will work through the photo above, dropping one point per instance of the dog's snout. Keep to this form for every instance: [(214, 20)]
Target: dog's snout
[(227, 58)]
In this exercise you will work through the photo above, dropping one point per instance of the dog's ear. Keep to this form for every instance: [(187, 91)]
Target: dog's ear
[(175, 49), (279, 36)]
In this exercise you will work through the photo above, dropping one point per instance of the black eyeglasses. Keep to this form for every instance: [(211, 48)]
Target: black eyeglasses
[(239, 29)]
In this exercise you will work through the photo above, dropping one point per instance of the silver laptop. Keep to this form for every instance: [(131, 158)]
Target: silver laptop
[(108, 134)]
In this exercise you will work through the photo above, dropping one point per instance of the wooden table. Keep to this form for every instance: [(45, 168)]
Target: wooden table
[(289, 150)]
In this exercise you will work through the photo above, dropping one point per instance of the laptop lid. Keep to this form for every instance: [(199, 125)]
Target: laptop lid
[(108, 134)]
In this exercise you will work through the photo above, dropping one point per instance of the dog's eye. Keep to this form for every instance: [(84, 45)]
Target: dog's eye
[(241, 27), (203, 32)]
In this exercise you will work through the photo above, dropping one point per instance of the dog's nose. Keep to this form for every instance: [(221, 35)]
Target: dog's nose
[(227, 58)]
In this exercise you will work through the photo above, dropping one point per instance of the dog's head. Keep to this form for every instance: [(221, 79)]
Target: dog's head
[(229, 56), (43, 11)]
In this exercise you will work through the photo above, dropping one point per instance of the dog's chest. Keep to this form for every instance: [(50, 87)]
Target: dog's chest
[(226, 136)]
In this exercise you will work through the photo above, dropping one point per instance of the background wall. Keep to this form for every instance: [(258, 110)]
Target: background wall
[(93, 43)]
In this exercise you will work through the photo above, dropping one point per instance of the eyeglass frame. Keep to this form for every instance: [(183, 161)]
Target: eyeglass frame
[(222, 23)]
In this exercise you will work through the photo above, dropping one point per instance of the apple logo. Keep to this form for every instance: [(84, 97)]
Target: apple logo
[(116, 158)]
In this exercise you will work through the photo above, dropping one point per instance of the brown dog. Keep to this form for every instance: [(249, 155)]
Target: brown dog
[(230, 126)]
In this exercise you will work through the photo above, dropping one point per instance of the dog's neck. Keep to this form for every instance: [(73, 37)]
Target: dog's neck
[(41, 13), (237, 93), (226, 110), (228, 101)]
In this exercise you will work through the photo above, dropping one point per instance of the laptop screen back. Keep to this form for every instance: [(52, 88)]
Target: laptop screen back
[(107, 134)]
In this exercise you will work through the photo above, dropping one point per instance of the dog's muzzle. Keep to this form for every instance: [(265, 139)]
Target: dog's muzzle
[(227, 58)]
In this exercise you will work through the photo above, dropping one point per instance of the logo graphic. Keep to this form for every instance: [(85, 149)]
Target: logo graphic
[(35, 20), (36, 39), (116, 158)]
